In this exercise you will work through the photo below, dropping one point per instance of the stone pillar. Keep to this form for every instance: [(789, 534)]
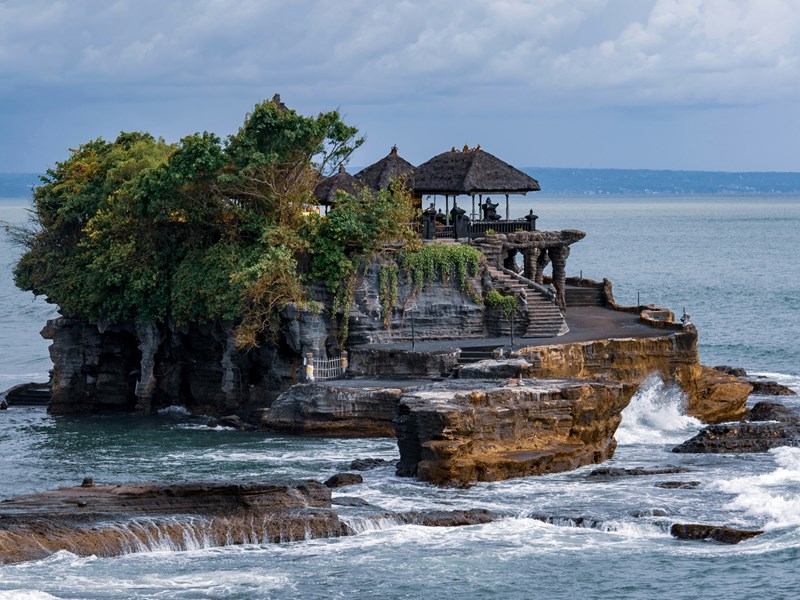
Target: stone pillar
[(541, 264), (529, 258), (559, 256), (149, 342)]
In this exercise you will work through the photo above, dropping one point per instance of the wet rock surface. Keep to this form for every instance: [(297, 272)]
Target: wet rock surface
[(742, 437), (474, 430), (343, 479), (723, 535), (111, 520), (678, 485), (766, 387), (735, 371), (772, 411), (635, 472), (26, 394), (366, 464)]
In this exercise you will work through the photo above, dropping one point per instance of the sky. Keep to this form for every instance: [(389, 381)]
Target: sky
[(661, 84)]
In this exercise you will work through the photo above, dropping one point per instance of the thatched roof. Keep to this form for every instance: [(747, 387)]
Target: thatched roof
[(378, 176), (325, 192), (471, 171)]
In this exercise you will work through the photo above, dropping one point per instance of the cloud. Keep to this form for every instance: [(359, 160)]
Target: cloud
[(683, 52)]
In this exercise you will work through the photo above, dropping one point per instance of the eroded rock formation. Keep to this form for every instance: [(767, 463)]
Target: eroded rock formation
[(712, 396), (339, 410), (480, 431)]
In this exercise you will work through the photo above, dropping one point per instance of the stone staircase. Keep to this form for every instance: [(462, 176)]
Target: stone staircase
[(474, 354), (544, 317), (584, 296)]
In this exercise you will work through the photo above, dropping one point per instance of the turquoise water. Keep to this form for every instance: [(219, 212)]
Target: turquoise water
[(730, 262)]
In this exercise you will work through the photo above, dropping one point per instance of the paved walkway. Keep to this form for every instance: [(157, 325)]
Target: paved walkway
[(586, 323)]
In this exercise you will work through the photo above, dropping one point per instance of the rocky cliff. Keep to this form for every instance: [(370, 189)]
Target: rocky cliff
[(712, 396)]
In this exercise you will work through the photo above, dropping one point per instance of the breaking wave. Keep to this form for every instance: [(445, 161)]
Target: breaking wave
[(656, 415)]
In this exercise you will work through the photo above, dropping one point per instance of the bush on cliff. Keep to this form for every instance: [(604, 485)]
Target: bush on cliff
[(141, 230)]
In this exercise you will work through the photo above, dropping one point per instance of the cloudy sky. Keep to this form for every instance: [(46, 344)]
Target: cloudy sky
[(672, 84)]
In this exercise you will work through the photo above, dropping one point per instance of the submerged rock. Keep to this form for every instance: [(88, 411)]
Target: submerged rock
[(343, 479), (636, 472), (735, 371), (365, 464), (678, 485), (723, 535), (650, 512), (234, 421)]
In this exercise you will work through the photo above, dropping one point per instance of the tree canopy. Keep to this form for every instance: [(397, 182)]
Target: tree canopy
[(142, 230)]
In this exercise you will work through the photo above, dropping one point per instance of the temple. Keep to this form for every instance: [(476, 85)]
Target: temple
[(476, 174)]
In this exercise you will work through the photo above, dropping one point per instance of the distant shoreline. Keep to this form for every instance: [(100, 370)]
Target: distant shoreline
[(568, 182)]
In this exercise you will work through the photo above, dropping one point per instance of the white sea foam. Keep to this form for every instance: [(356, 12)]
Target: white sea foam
[(25, 595), (774, 496), (656, 415), (175, 410)]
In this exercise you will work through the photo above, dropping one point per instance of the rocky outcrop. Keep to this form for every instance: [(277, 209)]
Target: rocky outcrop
[(469, 431), (27, 394), (772, 411), (343, 479), (721, 534), (742, 437), (766, 387), (712, 396), (329, 409), (768, 425), (112, 520)]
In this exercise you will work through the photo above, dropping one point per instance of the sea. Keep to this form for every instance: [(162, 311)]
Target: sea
[(729, 260)]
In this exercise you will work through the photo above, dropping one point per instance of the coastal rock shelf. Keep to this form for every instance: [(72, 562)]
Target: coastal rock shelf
[(113, 520), (463, 432)]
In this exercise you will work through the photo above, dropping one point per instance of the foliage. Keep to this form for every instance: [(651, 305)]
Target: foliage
[(507, 303), (445, 260), (387, 289), (141, 230), (358, 226)]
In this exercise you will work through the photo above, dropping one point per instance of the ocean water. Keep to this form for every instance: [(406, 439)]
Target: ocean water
[(729, 261)]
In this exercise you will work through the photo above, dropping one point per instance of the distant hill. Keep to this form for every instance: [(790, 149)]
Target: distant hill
[(17, 185), (580, 182), (585, 182)]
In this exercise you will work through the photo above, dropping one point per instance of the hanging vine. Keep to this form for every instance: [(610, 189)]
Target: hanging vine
[(508, 304), (388, 280)]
